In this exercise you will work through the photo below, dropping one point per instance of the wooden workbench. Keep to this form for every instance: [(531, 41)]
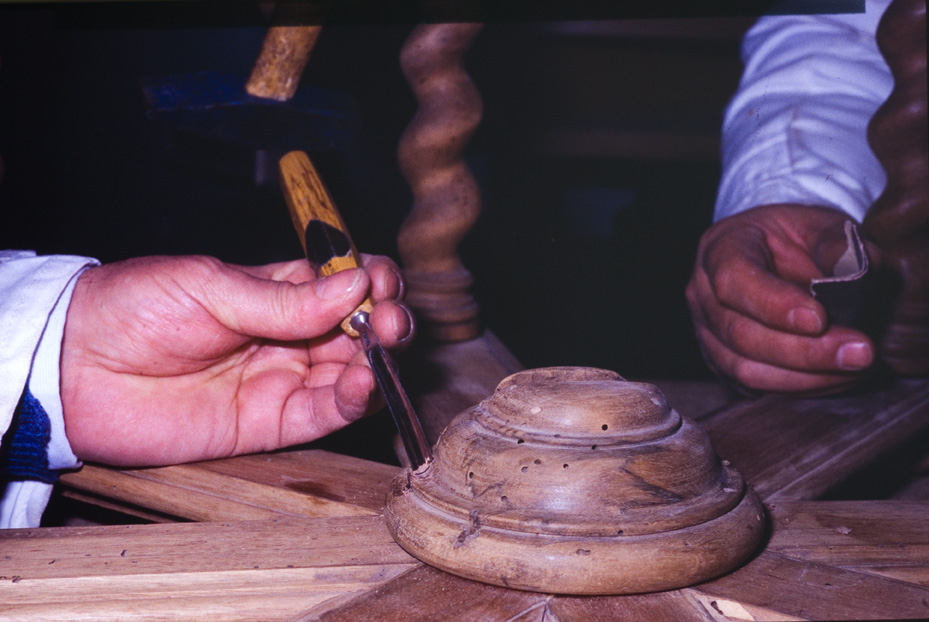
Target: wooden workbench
[(297, 535)]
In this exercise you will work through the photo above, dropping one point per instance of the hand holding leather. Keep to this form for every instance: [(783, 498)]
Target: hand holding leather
[(757, 323)]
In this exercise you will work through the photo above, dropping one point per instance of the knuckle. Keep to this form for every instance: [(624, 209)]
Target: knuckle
[(736, 333), (206, 265), (724, 282)]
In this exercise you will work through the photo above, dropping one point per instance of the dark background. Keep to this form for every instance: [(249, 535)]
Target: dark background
[(597, 159)]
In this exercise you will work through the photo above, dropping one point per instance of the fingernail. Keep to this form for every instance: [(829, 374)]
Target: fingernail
[(338, 284), (407, 330), (805, 320), (854, 356)]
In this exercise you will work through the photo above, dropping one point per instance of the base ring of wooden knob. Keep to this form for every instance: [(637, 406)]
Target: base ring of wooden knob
[(575, 481)]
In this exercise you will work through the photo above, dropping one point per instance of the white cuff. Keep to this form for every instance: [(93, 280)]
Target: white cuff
[(45, 381), (33, 290), (796, 132)]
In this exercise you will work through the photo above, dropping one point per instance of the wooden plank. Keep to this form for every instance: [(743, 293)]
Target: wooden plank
[(888, 538), (678, 606), (319, 474), (299, 483), (428, 594), (215, 596), (798, 449), (793, 589), (727, 610), (268, 570), (125, 512), (439, 596)]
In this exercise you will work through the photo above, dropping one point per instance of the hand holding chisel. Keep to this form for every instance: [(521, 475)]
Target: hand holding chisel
[(330, 249)]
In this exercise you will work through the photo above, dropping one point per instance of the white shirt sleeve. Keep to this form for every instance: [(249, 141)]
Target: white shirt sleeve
[(34, 297), (796, 130)]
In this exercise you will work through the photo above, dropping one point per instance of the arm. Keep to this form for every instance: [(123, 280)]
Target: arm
[(796, 130), (796, 165)]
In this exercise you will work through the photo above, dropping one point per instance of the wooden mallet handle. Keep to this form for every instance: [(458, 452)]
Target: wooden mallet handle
[(323, 234), (284, 54)]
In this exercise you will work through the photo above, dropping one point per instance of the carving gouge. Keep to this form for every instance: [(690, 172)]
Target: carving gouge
[(330, 249)]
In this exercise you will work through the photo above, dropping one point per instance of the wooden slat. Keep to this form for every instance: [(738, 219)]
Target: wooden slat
[(798, 449), (888, 538), (803, 590), (727, 610), (268, 570), (323, 475), (678, 606), (300, 483), (120, 512), (427, 594)]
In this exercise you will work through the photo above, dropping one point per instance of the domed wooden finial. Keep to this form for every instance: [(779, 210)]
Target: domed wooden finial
[(574, 481)]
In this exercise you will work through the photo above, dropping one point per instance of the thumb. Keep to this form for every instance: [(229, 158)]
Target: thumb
[(286, 311)]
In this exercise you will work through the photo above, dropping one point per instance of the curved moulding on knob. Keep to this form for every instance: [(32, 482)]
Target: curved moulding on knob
[(574, 481)]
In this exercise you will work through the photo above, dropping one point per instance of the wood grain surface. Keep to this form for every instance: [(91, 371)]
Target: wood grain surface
[(824, 560), (790, 448), (296, 483), (268, 569)]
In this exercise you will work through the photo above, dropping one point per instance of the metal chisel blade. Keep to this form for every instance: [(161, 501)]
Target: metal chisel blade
[(401, 409)]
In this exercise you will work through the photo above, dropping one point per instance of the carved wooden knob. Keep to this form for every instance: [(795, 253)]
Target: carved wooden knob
[(572, 480)]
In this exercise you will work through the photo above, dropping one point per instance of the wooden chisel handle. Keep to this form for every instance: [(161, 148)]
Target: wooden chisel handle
[(323, 234)]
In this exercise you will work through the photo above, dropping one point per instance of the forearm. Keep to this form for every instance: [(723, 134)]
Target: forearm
[(796, 131)]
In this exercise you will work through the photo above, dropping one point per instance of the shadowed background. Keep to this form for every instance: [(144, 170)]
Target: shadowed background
[(597, 158)]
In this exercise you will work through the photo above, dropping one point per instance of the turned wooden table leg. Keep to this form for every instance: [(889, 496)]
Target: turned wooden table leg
[(446, 199), (899, 220)]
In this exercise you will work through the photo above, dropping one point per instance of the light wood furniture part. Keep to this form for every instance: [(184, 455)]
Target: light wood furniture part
[(299, 535)]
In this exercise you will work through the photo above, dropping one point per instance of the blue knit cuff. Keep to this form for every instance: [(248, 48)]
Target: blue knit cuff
[(24, 453)]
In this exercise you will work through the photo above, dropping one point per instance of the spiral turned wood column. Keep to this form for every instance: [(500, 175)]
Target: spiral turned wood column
[(446, 199), (899, 220)]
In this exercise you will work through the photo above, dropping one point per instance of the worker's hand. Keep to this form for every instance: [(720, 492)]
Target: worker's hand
[(175, 359), (757, 323)]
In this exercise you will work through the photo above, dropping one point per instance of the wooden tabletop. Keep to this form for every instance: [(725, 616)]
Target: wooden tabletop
[(297, 535)]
